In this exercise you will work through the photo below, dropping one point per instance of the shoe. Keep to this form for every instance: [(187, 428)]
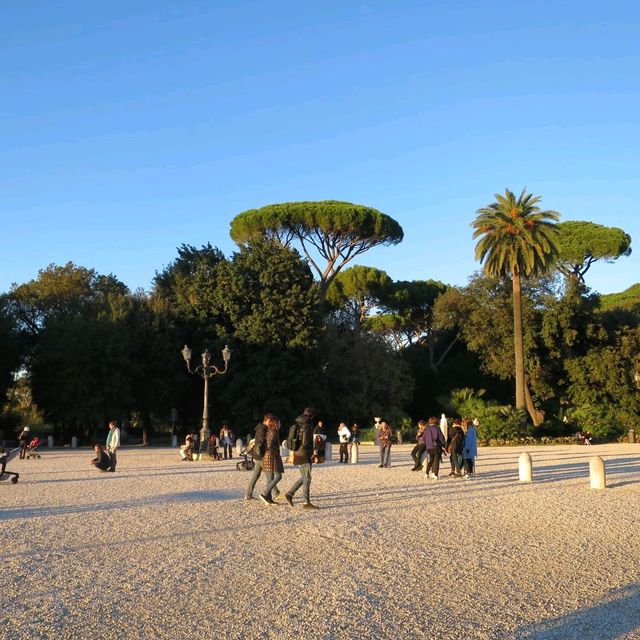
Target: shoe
[(266, 499), (435, 477), (380, 466), (453, 473), (457, 475), (289, 499), (309, 506), (249, 498), (112, 470)]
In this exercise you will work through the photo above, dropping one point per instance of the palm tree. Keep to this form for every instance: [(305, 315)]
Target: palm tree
[(517, 240)]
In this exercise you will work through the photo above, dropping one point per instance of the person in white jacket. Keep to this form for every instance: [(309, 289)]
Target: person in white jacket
[(344, 435), (113, 442)]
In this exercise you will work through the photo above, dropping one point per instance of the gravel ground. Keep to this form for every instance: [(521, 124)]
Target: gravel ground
[(169, 549)]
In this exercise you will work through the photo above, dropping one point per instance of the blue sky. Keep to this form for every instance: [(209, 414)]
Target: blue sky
[(128, 128)]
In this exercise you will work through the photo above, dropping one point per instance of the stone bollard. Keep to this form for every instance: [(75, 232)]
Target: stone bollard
[(50, 442), (284, 451), (328, 451), (174, 441), (597, 473), (354, 453), (239, 446), (632, 436), (524, 465), (74, 442)]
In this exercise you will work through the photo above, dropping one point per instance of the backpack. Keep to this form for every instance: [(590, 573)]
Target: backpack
[(294, 439)]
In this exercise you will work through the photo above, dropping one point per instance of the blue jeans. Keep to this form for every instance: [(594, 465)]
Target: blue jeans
[(303, 481), (385, 454), (257, 470), (273, 477)]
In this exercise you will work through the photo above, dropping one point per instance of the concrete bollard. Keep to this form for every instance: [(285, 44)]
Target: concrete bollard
[(50, 442), (597, 473), (354, 453), (74, 442), (174, 441), (632, 436), (239, 446), (328, 451), (524, 466)]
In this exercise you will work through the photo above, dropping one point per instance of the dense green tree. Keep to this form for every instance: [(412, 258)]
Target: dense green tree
[(335, 231), (582, 243), (517, 240), (357, 292), (9, 349), (627, 299)]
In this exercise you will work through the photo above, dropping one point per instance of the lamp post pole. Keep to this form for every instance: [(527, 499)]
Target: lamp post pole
[(206, 370)]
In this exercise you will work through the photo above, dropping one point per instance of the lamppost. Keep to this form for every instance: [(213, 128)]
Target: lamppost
[(206, 370)]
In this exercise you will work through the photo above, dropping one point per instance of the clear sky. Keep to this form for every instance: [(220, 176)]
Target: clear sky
[(129, 127)]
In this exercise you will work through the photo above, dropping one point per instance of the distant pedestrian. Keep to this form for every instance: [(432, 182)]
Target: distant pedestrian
[(434, 441), (344, 435), (418, 451), (384, 437), (259, 449), (300, 442), (470, 449), (454, 447), (226, 440), (319, 442), (113, 443), (186, 450), (23, 441)]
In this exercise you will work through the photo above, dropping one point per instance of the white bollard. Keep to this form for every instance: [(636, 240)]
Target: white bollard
[(524, 465), (328, 451), (354, 453), (74, 442), (174, 441), (50, 442), (597, 473), (284, 451), (239, 446)]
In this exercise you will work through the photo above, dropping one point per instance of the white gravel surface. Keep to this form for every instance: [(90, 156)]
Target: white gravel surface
[(169, 549)]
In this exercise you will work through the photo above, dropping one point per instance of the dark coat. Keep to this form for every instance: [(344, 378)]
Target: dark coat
[(456, 439), (304, 453), (259, 438)]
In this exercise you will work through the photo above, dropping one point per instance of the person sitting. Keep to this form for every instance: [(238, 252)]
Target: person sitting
[(102, 460), (186, 450)]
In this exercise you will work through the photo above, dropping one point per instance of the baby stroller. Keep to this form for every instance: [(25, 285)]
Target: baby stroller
[(32, 448), (5, 457), (245, 464)]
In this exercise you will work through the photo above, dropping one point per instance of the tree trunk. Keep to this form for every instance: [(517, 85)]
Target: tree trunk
[(517, 340), (537, 416)]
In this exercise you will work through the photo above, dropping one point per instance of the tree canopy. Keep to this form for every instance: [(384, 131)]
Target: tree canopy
[(334, 230), (583, 243)]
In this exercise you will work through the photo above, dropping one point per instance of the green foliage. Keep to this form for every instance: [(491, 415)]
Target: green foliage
[(337, 231), (583, 243), (627, 299), (269, 296), (357, 290), (497, 422), (9, 349)]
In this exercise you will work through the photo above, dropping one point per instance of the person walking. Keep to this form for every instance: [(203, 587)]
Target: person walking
[(113, 443), (434, 442), (272, 460), (23, 442), (344, 435), (259, 449), (384, 437), (420, 448), (300, 441), (470, 449)]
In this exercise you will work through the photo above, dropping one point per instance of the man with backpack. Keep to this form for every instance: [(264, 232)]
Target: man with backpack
[(300, 442)]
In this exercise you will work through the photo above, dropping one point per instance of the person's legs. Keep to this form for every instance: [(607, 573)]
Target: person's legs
[(257, 470), (114, 459), (305, 472), (296, 485), (276, 476), (387, 456), (434, 461)]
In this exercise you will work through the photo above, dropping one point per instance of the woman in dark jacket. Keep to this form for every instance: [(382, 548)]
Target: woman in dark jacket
[(455, 445), (272, 460)]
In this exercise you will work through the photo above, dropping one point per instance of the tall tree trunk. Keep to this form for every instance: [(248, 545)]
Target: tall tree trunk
[(517, 340), (537, 416)]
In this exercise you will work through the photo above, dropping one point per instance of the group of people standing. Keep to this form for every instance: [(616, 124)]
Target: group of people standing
[(107, 456), (459, 441)]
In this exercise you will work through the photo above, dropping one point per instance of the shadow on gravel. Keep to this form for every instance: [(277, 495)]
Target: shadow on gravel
[(186, 497), (615, 618)]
